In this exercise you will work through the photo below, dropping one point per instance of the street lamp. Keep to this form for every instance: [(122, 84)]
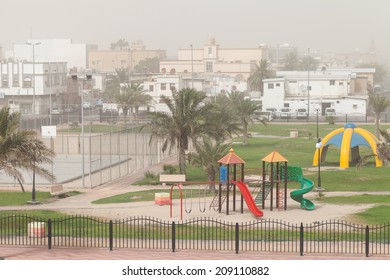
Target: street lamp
[(318, 147), (33, 79), (81, 92), (317, 111), (192, 66), (308, 84)]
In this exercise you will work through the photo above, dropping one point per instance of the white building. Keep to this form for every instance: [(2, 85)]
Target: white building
[(51, 50), (21, 85), (212, 85), (344, 90)]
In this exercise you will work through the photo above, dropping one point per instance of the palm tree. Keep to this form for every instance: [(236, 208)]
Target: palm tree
[(379, 104), (185, 121), (291, 62), (262, 71), (244, 109), (120, 44), (208, 152), (131, 97), (21, 149), (223, 122)]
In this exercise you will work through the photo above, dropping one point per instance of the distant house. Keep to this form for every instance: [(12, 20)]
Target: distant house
[(345, 90)]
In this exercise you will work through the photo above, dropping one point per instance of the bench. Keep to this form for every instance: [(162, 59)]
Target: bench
[(57, 190)]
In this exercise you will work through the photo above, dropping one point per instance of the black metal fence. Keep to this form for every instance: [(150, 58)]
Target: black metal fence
[(333, 237)]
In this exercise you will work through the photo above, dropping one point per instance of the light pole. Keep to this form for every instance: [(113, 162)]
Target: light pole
[(318, 147), (33, 79), (192, 66), (317, 111), (308, 84)]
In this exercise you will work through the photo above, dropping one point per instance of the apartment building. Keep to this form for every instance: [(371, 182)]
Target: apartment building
[(342, 89), (29, 87), (107, 61), (211, 58)]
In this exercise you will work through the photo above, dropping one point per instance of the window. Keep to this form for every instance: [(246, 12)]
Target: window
[(15, 83), (278, 84), (4, 83), (163, 86), (123, 62), (270, 86), (332, 82), (355, 106), (209, 67), (27, 82), (210, 51), (151, 87), (341, 83), (172, 86)]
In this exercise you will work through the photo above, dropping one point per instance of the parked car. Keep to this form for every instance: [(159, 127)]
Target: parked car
[(301, 113), (56, 111), (87, 105), (272, 111), (285, 113), (330, 112)]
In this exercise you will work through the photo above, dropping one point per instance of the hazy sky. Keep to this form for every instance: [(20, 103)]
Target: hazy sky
[(335, 25)]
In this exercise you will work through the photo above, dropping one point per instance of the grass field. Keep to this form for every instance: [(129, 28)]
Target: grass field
[(299, 152)]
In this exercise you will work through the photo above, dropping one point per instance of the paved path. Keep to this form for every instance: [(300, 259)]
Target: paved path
[(41, 253)]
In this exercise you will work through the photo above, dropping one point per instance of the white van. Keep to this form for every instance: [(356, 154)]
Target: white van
[(301, 113), (285, 113)]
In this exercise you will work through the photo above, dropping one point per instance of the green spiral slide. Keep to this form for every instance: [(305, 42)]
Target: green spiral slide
[(297, 195)]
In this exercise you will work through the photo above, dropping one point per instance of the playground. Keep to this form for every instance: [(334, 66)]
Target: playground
[(245, 194)]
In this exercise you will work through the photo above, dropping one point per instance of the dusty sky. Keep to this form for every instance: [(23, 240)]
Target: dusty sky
[(334, 25)]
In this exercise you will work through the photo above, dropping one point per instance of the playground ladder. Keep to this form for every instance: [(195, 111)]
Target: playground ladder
[(214, 203), (259, 197)]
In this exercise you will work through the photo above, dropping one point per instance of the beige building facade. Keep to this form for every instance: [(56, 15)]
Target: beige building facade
[(212, 58), (109, 60)]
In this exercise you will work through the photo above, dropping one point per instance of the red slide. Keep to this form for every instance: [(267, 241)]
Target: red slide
[(248, 199)]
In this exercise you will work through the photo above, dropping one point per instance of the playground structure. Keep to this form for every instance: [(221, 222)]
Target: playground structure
[(272, 182), (348, 139)]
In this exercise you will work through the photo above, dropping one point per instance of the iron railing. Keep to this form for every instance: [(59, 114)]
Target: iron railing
[(328, 237)]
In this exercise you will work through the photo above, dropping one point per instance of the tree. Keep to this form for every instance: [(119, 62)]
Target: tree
[(223, 121), (208, 152), (131, 97), (121, 44), (245, 109), (262, 71), (379, 104), (148, 65), (185, 121), (21, 149), (113, 84), (308, 63), (291, 62)]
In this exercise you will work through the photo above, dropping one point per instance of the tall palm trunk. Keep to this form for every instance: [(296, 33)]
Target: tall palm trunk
[(182, 160), (377, 118)]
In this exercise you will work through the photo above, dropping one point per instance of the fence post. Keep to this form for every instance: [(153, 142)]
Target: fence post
[(49, 234), (301, 239), (111, 235), (367, 241), (237, 237), (173, 237)]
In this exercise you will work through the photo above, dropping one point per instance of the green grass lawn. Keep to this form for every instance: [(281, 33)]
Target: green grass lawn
[(298, 151), (8, 198), (20, 198)]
